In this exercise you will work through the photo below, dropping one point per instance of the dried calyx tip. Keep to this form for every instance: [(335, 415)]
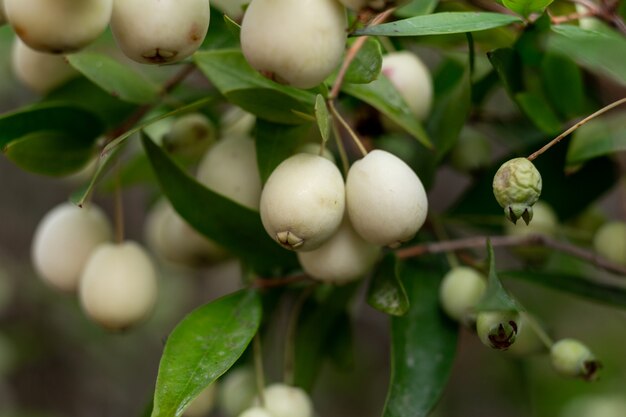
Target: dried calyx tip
[(289, 240)]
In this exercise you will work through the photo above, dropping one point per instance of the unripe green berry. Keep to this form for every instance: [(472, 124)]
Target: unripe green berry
[(460, 290), (610, 242), (517, 186), (237, 391), (497, 329), (472, 152), (190, 135), (572, 358)]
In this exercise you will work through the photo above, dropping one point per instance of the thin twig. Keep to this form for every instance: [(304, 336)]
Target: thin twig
[(279, 282), (290, 339), (340, 119), (505, 241), (576, 126)]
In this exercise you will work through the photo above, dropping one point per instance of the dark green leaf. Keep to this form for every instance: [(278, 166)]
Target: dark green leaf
[(322, 117), (386, 292), (441, 24), (539, 111), (203, 346), (423, 347), (613, 295), (116, 79), (526, 7), (276, 142), (245, 87), (417, 8), (508, 65), (599, 137), (563, 84), (222, 33), (603, 52), (235, 227), (382, 95), (367, 64), (496, 298)]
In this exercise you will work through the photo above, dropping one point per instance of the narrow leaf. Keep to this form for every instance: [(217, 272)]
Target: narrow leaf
[(322, 117), (603, 136), (539, 112), (496, 298), (116, 79), (444, 23), (245, 87), (203, 346), (526, 7), (386, 292), (382, 95), (367, 64), (423, 347), (235, 227)]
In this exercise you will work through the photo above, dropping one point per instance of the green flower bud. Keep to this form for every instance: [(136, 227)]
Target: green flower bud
[(572, 358), (517, 186), (497, 329)]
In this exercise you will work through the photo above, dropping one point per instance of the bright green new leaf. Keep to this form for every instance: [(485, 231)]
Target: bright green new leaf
[(203, 346), (386, 292), (322, 117), (444, 23), (496, 298), (235, 227), (603, 136), (423, 347), (603, 51), (367, 64), (382, 95), (116, 79), (526, 7), (246, 88)]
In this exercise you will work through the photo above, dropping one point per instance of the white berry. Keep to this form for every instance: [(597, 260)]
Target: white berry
[(295, 42), (237, 391), (286, 401), (256, 412), (412, 80), (64, 240), (59, 26), (159, 31), (303, 201), (386, 200), (118, 287)]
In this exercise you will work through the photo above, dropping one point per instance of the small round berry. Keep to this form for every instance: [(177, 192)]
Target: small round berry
[(517, 186), (460, 290), (386, 200), (596, 405), (237, 391), (256, 412), (572, 358), (118, 287), (190, 135), (610, 242), (497, 329), (286, 401), (303, 202), (472, 152), (64, 241)]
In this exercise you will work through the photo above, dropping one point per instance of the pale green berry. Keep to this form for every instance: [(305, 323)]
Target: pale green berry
[(596, 405), (610, 242), (460, 291), (572, 358), (517, 186), (472, 152), (497, 329), (286, 401), (256, 412), (237, 391)]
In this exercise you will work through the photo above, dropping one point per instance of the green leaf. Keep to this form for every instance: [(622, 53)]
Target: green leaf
[(564, 86), (367, 64), (322, 117), (613, 295), (116, 79), (444, 23), (235, 227), (222, 33), (599, 137), (496, 298), (423, 347), (539, 111), (246, 88), (526, 7), (417, 8), (508, 65), (383, 96), (276, 142), (386, 292), (602, 52), (202, 347)]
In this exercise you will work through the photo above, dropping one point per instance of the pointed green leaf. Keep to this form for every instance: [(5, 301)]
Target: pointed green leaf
[(591, 49), (276, 142), (367, 64), (235, 227), (382, 95), (202, 347), (116, 79), (245, 87), (386, 292), (564, 85), (496, 298), (603, 136), (423, 347), (539, 111), (444, 23), (526, 7), (322, 117), (417, 8)]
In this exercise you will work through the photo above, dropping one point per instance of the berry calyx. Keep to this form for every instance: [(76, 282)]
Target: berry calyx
[(497, 329)]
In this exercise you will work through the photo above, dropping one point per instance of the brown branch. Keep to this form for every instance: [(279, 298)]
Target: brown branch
[(506, 241), (279, 282)]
